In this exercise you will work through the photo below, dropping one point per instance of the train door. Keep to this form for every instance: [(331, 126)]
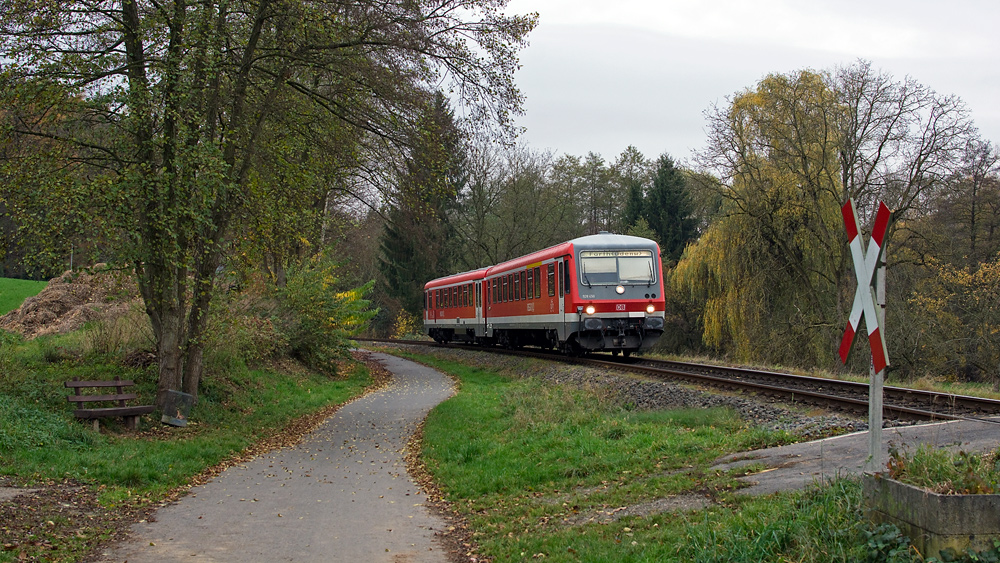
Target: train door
[(560, 292), (480, 328)]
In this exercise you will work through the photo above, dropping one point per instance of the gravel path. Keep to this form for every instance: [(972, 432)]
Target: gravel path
[(343, 494)]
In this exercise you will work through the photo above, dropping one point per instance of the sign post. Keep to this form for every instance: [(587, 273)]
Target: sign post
[(865, 266)]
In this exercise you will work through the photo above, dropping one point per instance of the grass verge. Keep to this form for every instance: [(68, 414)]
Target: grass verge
[(539, 471), (13, 292), (91, 485)]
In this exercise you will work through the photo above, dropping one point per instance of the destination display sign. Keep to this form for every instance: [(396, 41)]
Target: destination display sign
[(613, 253)]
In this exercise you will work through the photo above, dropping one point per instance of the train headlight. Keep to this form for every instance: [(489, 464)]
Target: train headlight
[(620, 289), (650, 308), (590, 310)]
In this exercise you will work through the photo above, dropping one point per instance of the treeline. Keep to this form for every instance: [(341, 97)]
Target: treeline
[(751, 229), (305, 163)]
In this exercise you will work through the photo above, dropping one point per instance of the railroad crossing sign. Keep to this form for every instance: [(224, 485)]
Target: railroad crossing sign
[(865, 264)]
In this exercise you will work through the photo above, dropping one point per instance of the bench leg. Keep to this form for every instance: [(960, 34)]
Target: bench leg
[(97, 425), (132, 423)]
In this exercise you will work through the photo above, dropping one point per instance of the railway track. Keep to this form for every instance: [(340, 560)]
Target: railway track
[(846, 396)]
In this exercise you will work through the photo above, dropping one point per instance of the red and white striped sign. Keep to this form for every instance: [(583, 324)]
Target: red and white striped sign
[(864, 268)]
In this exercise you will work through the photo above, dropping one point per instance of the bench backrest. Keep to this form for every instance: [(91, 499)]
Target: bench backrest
[(119, 384)]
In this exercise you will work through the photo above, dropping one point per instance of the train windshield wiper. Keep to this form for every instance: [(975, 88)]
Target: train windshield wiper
[(585, 280)]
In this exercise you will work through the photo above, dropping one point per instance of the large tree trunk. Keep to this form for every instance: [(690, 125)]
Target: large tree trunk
[(170, 353)]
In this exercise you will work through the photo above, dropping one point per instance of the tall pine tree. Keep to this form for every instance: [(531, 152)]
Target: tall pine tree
[(415, 245), (668, 209)]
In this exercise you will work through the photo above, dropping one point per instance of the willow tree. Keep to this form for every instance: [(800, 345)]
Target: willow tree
[(173, 104), (773, 270)]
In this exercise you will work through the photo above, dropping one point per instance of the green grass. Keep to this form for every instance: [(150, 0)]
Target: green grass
[(13, 292), (528, 464)]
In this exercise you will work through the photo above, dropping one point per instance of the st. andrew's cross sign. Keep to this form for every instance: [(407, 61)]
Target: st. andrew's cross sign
[(865, 264)]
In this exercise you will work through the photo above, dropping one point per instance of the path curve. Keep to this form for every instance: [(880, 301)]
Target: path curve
[(342, 494)]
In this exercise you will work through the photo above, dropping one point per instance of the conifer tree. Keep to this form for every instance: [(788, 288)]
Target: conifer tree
[(416, 244), (668, 209)]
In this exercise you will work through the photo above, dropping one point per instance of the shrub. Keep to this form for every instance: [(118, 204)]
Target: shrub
[(318, 315), (121, 333), (241, 330)]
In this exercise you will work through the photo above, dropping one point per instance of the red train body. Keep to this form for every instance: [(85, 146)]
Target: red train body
[(598, 292)]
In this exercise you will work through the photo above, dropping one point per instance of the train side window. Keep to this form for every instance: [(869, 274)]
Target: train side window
[(538, 283), (524, 285), (552, 279), (531, 284), (518, 290), (560, 279)]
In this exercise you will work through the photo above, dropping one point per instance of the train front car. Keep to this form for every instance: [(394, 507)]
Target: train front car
[(616, 293)]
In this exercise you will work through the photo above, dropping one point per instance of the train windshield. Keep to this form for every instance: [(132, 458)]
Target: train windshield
[(613, 267)]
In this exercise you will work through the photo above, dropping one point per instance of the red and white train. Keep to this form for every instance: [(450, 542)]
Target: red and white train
[(600, 292)]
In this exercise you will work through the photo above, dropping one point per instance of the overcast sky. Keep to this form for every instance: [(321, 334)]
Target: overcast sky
[(600, 75)]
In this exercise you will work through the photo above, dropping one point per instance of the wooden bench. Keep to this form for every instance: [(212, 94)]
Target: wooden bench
[(130, 414)]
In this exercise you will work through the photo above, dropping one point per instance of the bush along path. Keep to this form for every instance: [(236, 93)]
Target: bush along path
[(342, 494)]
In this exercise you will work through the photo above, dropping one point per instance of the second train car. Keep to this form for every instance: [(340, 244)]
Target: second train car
[(601, 292)]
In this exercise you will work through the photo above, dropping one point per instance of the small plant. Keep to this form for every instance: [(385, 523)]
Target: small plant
[(944, 472), (886, 544)]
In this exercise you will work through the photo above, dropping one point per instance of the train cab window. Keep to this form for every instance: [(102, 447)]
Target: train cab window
[(566, 281), (562, 267), (552, 279)]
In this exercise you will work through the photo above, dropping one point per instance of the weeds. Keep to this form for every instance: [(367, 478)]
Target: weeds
[(944, 472)]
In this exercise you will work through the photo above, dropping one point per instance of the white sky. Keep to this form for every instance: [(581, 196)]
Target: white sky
[(600, 75)]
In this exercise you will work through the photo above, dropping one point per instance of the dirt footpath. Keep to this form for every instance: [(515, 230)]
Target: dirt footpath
[(342, 494)]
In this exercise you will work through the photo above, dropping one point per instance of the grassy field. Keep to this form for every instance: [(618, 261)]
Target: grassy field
[(42, 445), (542, 472), (14, 292)]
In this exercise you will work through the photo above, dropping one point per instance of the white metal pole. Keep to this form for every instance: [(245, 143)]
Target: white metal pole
[(876, 458)]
